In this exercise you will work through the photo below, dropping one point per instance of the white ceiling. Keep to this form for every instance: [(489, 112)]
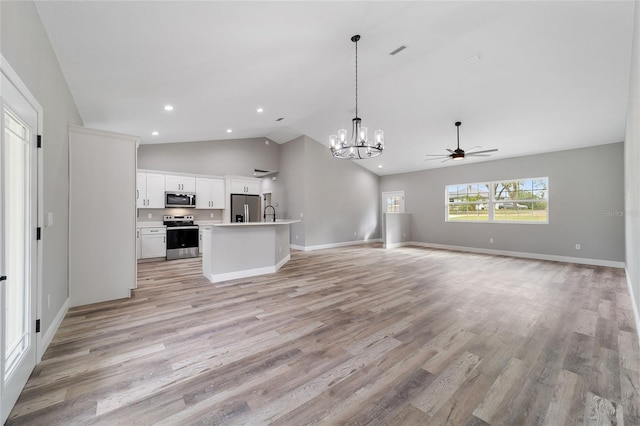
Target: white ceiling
[(552, 75)]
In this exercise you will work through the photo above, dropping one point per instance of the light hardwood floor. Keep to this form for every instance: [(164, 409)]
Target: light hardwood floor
[(357, 335)]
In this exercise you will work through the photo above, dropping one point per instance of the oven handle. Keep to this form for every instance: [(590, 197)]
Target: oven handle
[(170, 228)]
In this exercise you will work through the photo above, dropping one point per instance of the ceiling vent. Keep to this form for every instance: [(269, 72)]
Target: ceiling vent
[(397, 50), (280, 119), (259, 173)]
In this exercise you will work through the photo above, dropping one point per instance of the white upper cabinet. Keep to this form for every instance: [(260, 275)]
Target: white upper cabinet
[(209, 193), (149, 191), (180, 183), (245, 186)]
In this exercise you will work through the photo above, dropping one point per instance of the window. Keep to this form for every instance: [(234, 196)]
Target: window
[(513, 201), (393, 202)]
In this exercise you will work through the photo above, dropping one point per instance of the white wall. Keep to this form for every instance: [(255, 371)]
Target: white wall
[(632, 169), (585, 192), (25, 45)]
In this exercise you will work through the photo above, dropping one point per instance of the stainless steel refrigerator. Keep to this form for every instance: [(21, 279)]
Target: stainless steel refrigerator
[(245, 208)]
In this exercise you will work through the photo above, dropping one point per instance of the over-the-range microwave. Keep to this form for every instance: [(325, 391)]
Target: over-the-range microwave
[(182, 199)]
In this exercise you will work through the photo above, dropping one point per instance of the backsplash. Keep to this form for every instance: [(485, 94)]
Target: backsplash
[(198, 214)]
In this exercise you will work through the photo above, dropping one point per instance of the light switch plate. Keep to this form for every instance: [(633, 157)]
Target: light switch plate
[(49, 218)]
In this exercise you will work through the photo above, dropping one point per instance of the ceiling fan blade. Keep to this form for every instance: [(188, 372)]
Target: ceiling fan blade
[(473, 154), (446, 160), (450, 150), (477, 146), (436, 155), (482, 152)]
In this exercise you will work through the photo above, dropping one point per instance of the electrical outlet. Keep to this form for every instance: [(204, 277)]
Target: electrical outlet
[(404, 235), (279, 249), (48, 301), (149, 215), (577, 246), (355, 233), (490, 240), (301, 214), (296, 237), (212, 215)]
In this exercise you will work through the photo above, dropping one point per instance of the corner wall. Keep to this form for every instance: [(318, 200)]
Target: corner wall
[(26, 46), (339, 199), (585, 204), (632, 170)]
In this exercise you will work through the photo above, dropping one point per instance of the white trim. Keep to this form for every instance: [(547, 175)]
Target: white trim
[(539, 256), (215, 278), (396, 245), (636, 314), (335, 245), (47, 337), (97, 132)]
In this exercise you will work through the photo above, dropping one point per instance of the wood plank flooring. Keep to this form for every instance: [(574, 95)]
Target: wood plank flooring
[(357, 335)]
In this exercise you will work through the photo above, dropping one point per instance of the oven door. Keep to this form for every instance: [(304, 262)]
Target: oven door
[(182, 242)]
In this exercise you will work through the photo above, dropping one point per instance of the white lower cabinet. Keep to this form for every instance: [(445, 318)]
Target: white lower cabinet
[(153, 242)]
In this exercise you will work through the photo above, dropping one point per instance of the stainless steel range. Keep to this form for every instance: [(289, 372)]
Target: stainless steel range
[(182, 237)]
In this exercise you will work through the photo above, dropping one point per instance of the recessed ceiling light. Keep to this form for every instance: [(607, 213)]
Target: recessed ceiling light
[(260, 109), (229, 130), (154, 133), (379, 166), (168, 107)]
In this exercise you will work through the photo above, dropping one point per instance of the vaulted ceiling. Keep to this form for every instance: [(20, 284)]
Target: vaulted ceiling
[(523, 77)]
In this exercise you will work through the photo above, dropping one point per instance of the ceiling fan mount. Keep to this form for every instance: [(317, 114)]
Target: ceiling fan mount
[(458, 153)]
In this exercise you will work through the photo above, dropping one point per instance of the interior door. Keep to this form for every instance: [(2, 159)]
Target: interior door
[(18, 247)]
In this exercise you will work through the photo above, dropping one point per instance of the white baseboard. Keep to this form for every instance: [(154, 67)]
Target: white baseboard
[(215, 278), (567, 259), (46, 338), (335, 245), (634, 305), (395, 245)]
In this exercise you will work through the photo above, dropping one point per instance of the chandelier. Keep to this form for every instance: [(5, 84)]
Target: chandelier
[(359, 146)]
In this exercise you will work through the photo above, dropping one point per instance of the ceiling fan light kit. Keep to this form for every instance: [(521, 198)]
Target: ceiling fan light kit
[(359, 147), (459, 154)]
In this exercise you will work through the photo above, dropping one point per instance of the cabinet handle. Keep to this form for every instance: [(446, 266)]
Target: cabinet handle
[(137, 194), (164, 239)]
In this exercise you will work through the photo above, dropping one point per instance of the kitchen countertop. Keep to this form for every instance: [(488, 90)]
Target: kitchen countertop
[(277, 222), (150, 225)]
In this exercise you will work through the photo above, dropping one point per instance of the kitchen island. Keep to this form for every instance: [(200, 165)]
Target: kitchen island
[(239, 249)]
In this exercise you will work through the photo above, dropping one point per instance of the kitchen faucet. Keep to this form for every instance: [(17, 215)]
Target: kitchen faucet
[(264, 216)]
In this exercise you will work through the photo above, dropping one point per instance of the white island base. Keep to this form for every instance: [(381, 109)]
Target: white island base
[(240, 250)]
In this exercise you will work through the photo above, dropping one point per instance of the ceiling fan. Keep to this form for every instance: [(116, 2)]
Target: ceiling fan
[(460, 154)]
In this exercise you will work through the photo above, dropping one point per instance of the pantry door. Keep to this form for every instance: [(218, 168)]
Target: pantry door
[(18, 238)]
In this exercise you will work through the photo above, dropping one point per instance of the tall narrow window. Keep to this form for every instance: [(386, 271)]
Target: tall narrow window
[(393, 202)]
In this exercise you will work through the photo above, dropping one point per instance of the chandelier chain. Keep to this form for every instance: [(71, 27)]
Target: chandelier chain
[(356, 78)]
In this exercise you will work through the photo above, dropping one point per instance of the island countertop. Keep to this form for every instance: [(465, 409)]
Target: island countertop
[(277, 222)]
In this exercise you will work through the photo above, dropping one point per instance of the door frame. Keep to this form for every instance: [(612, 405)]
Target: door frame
[(14, 78)]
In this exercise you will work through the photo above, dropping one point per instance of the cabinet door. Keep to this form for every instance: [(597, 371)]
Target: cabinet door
[(238, 186), (153, 243), (254, 187), (188, 184), (141, 190), (155, 191), (203, 193), (217, 194), (172, 183)]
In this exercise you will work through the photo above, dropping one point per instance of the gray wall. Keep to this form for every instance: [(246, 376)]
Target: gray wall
[(585, 191), (632, 169), (224, 157), (292, 179), (342, 198), (25, 45)]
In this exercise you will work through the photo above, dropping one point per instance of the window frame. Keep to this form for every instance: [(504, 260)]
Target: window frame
[(492, 202)]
